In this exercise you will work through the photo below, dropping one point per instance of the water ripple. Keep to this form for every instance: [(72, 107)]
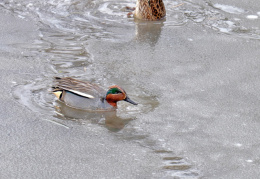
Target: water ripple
[(95, 19)]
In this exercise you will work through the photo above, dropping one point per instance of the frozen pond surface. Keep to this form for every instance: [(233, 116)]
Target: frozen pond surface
[(194, 74)]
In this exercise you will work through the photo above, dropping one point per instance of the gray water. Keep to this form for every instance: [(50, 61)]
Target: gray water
[(194, 74)]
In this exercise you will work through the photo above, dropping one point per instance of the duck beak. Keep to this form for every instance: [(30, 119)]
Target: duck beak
[(130, 101)]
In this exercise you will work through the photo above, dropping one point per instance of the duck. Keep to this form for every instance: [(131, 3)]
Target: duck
[(148, 10), (88, 96)]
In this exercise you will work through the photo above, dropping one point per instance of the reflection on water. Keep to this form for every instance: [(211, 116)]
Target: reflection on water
[(177, 164), (148, 31), (112, 121)]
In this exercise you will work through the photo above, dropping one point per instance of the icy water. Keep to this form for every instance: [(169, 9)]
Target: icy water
[(195, 75)]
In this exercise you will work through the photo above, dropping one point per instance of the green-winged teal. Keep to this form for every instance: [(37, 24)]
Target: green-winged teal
[(88, 96)]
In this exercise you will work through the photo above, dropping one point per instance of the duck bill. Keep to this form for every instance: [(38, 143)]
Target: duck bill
[(127, 99)]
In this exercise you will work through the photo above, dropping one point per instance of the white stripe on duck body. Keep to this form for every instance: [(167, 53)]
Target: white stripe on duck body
[(149, 10), (88, 96)]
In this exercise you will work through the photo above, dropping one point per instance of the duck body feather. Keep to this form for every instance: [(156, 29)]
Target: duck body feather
[(80, 94), (150, 10)]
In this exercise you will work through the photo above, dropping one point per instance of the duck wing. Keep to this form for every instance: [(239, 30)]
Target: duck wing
[(78, 87)]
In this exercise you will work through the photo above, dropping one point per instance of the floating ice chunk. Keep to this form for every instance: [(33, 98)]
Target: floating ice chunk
[(229, 9), (22, 17), (29, 5), (249, 161), (252, 17), (238, 145), (237, 19), (224, 30)]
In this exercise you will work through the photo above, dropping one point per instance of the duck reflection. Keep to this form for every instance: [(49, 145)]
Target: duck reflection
[(112, 121), (148, 31)]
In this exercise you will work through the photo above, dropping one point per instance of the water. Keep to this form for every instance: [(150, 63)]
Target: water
[(194, 74)]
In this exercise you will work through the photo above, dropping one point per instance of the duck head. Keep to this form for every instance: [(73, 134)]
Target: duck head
[(115, 94)]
